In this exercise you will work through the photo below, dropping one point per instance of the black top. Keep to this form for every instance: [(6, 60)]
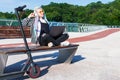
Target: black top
[(44, 28)]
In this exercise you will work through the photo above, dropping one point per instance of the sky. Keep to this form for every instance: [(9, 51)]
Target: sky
[(9, 5)]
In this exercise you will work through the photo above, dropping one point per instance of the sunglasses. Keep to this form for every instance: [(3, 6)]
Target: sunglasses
[(41, 11)]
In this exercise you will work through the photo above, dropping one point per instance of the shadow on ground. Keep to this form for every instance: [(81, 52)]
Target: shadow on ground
[(45, 63)]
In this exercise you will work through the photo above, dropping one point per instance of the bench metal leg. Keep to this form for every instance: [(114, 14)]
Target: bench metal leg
[(66, 55), (3, 61)]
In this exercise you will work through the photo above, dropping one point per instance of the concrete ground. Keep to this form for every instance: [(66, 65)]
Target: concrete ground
[(96, 59)]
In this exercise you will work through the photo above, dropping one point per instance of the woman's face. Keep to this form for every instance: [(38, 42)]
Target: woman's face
[(40, 12)]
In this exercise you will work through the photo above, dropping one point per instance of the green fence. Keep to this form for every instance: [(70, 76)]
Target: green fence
[(4, 22), (78, 27), (70, 27)]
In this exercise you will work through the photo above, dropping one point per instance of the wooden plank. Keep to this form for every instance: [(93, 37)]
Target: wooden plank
[(33, 48), (13, 32)]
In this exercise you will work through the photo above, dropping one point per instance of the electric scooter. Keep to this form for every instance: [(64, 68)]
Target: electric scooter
[(30, 67)]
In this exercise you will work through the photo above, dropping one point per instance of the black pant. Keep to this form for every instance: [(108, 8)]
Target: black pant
[(44, 40)]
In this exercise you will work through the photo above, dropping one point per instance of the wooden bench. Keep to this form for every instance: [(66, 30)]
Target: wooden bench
[(66, 53), (13, 32)]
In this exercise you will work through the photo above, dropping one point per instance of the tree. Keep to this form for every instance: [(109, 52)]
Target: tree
[(93, 13)]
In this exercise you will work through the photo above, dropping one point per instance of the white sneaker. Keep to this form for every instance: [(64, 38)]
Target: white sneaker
[(50, 44), (65, 43)]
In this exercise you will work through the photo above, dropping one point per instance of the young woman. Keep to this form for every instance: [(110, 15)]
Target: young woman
[(40, 29)]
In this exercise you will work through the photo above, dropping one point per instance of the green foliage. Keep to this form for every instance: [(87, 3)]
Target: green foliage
[(93, 13)]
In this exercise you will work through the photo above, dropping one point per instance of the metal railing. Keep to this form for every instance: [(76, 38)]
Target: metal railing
[(78, 27), (8, 22), (70, 27)]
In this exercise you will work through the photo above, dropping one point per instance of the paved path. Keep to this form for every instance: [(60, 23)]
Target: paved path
[(97, 58), (98, 35), (73, 40)]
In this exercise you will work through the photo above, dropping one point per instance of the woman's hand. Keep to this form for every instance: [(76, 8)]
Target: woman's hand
[(31, 15), (44, 34)]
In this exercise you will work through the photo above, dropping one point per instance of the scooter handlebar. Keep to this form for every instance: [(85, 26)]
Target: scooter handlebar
[(20, 8)]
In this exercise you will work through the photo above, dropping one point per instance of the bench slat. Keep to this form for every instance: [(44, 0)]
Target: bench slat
[(33, 48)]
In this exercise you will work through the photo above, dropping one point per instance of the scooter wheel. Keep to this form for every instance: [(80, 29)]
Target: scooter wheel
[(34, 72)]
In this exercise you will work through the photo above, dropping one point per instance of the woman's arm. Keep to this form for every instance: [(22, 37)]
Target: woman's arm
[(29, 20)]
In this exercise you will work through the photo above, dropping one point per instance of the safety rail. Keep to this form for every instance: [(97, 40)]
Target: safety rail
[(70, 27)]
